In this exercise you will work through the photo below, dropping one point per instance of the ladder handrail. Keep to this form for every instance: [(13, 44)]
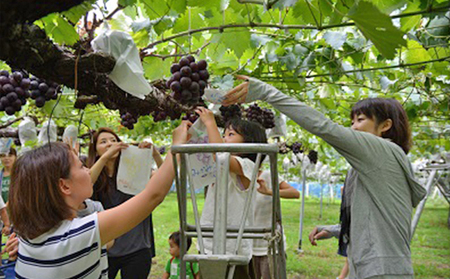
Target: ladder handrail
[(276, 245)]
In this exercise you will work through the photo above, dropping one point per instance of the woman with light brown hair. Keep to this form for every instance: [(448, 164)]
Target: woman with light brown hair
[(48, 185)]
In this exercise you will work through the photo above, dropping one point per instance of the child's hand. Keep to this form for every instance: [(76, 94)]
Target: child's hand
[(6, 229), (263, 187), (206, 116), (11, 247), (315, 235), (180, 135)]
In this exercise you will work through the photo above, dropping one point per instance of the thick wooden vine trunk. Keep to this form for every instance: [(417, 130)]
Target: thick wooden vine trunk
[(24, 45)]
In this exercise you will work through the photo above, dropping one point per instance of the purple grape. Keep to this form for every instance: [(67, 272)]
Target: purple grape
[(202, 65), (20, 92), (25, 83), (202, 84), (4, 101), (13, 82), (174, 68), (194, 67), (184, 62), (195, 77), (194, 87), (190, 58), (185, 82), (17, 105), (43, 87), (40, 101), (17, 76), (186, 95), (175, 86), (186, 71), (4, 73), (10, 110), (34, 84), (204, 75), (4, 80), (177, 76), (35, 93), (8, 88), (12, 96), (50, 92)]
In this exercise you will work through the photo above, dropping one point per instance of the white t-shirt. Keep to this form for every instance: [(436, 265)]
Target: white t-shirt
[(72, 250), (91, 207), (237, 195), (263, 216)]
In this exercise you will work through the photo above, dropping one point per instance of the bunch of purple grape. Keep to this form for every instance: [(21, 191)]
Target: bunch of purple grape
[(296, 147), (42, 91), (13, 91), (128, 120), (313, 156), (162, 150), (230, 112), (191, 116), (188, 80), (263, 116), (159, 116)]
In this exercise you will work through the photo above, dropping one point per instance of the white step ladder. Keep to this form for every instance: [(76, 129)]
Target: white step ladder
[(219, 264)]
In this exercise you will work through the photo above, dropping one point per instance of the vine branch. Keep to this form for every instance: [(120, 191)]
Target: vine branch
[(280, 26)]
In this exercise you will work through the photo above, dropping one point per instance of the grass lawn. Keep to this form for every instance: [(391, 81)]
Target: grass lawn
[(430, 245)]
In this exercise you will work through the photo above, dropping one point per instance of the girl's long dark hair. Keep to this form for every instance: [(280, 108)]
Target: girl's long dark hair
[(102, 181), (251, 131), (379, 110)]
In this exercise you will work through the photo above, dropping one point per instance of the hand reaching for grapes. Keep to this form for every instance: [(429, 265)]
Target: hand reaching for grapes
[(114, 149), (180, 135), (206, 116), (237, 94), (145, 144)]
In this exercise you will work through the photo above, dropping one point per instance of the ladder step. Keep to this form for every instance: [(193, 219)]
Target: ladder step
[(230, 259)]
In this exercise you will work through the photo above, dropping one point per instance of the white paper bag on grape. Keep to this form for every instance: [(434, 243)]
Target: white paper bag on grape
[(70, 135), (202, 167), (135, 168), (47, 133), (280, 129), (214, 96), (27, 131), (128, 73), (5, 145)]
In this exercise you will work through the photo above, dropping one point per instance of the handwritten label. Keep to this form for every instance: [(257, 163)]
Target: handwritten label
[(202, 165), (134, 169)]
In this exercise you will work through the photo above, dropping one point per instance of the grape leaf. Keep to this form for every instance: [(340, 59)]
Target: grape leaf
[(335, 39), (377, 27)]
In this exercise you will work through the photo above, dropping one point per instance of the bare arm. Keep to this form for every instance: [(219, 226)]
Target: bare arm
[(5, 219), (97, 168), (157, 157), (288, 192), (120, 219), (166, 275)]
